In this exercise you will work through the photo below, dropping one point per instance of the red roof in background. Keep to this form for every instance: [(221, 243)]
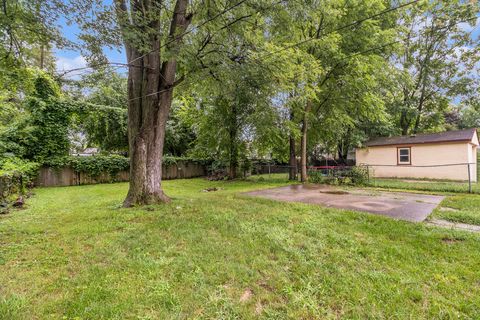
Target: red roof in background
[(447, 136)]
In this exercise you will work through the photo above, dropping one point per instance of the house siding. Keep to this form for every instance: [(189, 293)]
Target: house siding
[(422, 155)]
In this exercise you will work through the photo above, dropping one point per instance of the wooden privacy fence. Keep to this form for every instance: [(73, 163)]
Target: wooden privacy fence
[(56, 177)]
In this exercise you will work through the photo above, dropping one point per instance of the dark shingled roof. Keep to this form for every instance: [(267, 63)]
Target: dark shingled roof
[(447, 136)]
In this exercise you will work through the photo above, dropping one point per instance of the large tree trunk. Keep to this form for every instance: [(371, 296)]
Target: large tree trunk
[(150, 92), (303, 144), (293, 159), (233, 140), (417, 121), (342, 154)]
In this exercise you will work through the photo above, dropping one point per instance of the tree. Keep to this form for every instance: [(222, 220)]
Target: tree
[(435, 64), (153, 34), (27, 33), (101, 109), (470, 116), (151, 79), (235, 117), (339, 52), (41, 133)]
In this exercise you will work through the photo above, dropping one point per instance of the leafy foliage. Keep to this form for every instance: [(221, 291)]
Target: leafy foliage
[(357, 176), (15, 176), (435, 63), (40, 132), (101, 112), (10, 166), (111, 164), (96, 165)]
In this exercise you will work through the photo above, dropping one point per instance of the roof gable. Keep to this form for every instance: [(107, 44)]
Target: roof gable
[(468, 135), (475, 138)]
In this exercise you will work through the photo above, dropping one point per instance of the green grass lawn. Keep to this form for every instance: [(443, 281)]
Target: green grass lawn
[(463, 208), (424, 185), (75, 254)]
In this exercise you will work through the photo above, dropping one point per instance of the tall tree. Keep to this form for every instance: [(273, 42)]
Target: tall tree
[(338, 36), (436, 62), (151, 79), (154, 36), (236, 117)]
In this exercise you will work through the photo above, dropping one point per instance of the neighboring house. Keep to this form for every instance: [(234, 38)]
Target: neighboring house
[(444, 155)]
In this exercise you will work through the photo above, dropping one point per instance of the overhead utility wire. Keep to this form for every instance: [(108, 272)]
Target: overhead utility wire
[(342, 59), (358, 22), (226, 10)]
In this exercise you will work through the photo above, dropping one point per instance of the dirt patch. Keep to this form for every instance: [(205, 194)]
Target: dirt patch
[(451, 240), (264, 284), (247, 294), (258, 308), (211, 189)]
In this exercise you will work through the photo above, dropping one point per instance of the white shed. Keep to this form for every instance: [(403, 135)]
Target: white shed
[(450, 155)]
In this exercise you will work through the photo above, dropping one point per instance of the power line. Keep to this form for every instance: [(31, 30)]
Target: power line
[(125, 65), (191, 30), (348, 57), (342, 59)]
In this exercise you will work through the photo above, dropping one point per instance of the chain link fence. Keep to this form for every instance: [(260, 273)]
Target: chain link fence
[(454, 177), (457, 177)]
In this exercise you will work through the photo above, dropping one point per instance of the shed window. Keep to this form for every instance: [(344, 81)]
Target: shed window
[(403, 155)]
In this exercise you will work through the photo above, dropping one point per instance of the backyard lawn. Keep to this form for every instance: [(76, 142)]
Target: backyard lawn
[(424, 185), (73, 253), (464, 208)]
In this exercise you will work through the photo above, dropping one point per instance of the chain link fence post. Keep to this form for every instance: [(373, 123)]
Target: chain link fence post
[(368, 174), (469, 179)]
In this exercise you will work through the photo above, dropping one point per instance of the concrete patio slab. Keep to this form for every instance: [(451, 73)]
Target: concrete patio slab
[(398, 205)]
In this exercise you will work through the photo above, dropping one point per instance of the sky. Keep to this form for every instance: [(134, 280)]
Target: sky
[(72, 59)]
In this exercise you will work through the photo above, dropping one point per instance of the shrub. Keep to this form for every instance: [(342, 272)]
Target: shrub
[(13, 166), (349, 176), (96, 165), (15, 176), (316, 176), (359, 175)]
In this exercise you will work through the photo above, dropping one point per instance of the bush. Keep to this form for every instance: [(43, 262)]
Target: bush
[(13, 166), (349, 176), (359, 175), (15, 176), (316, 176), (96, 165)]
